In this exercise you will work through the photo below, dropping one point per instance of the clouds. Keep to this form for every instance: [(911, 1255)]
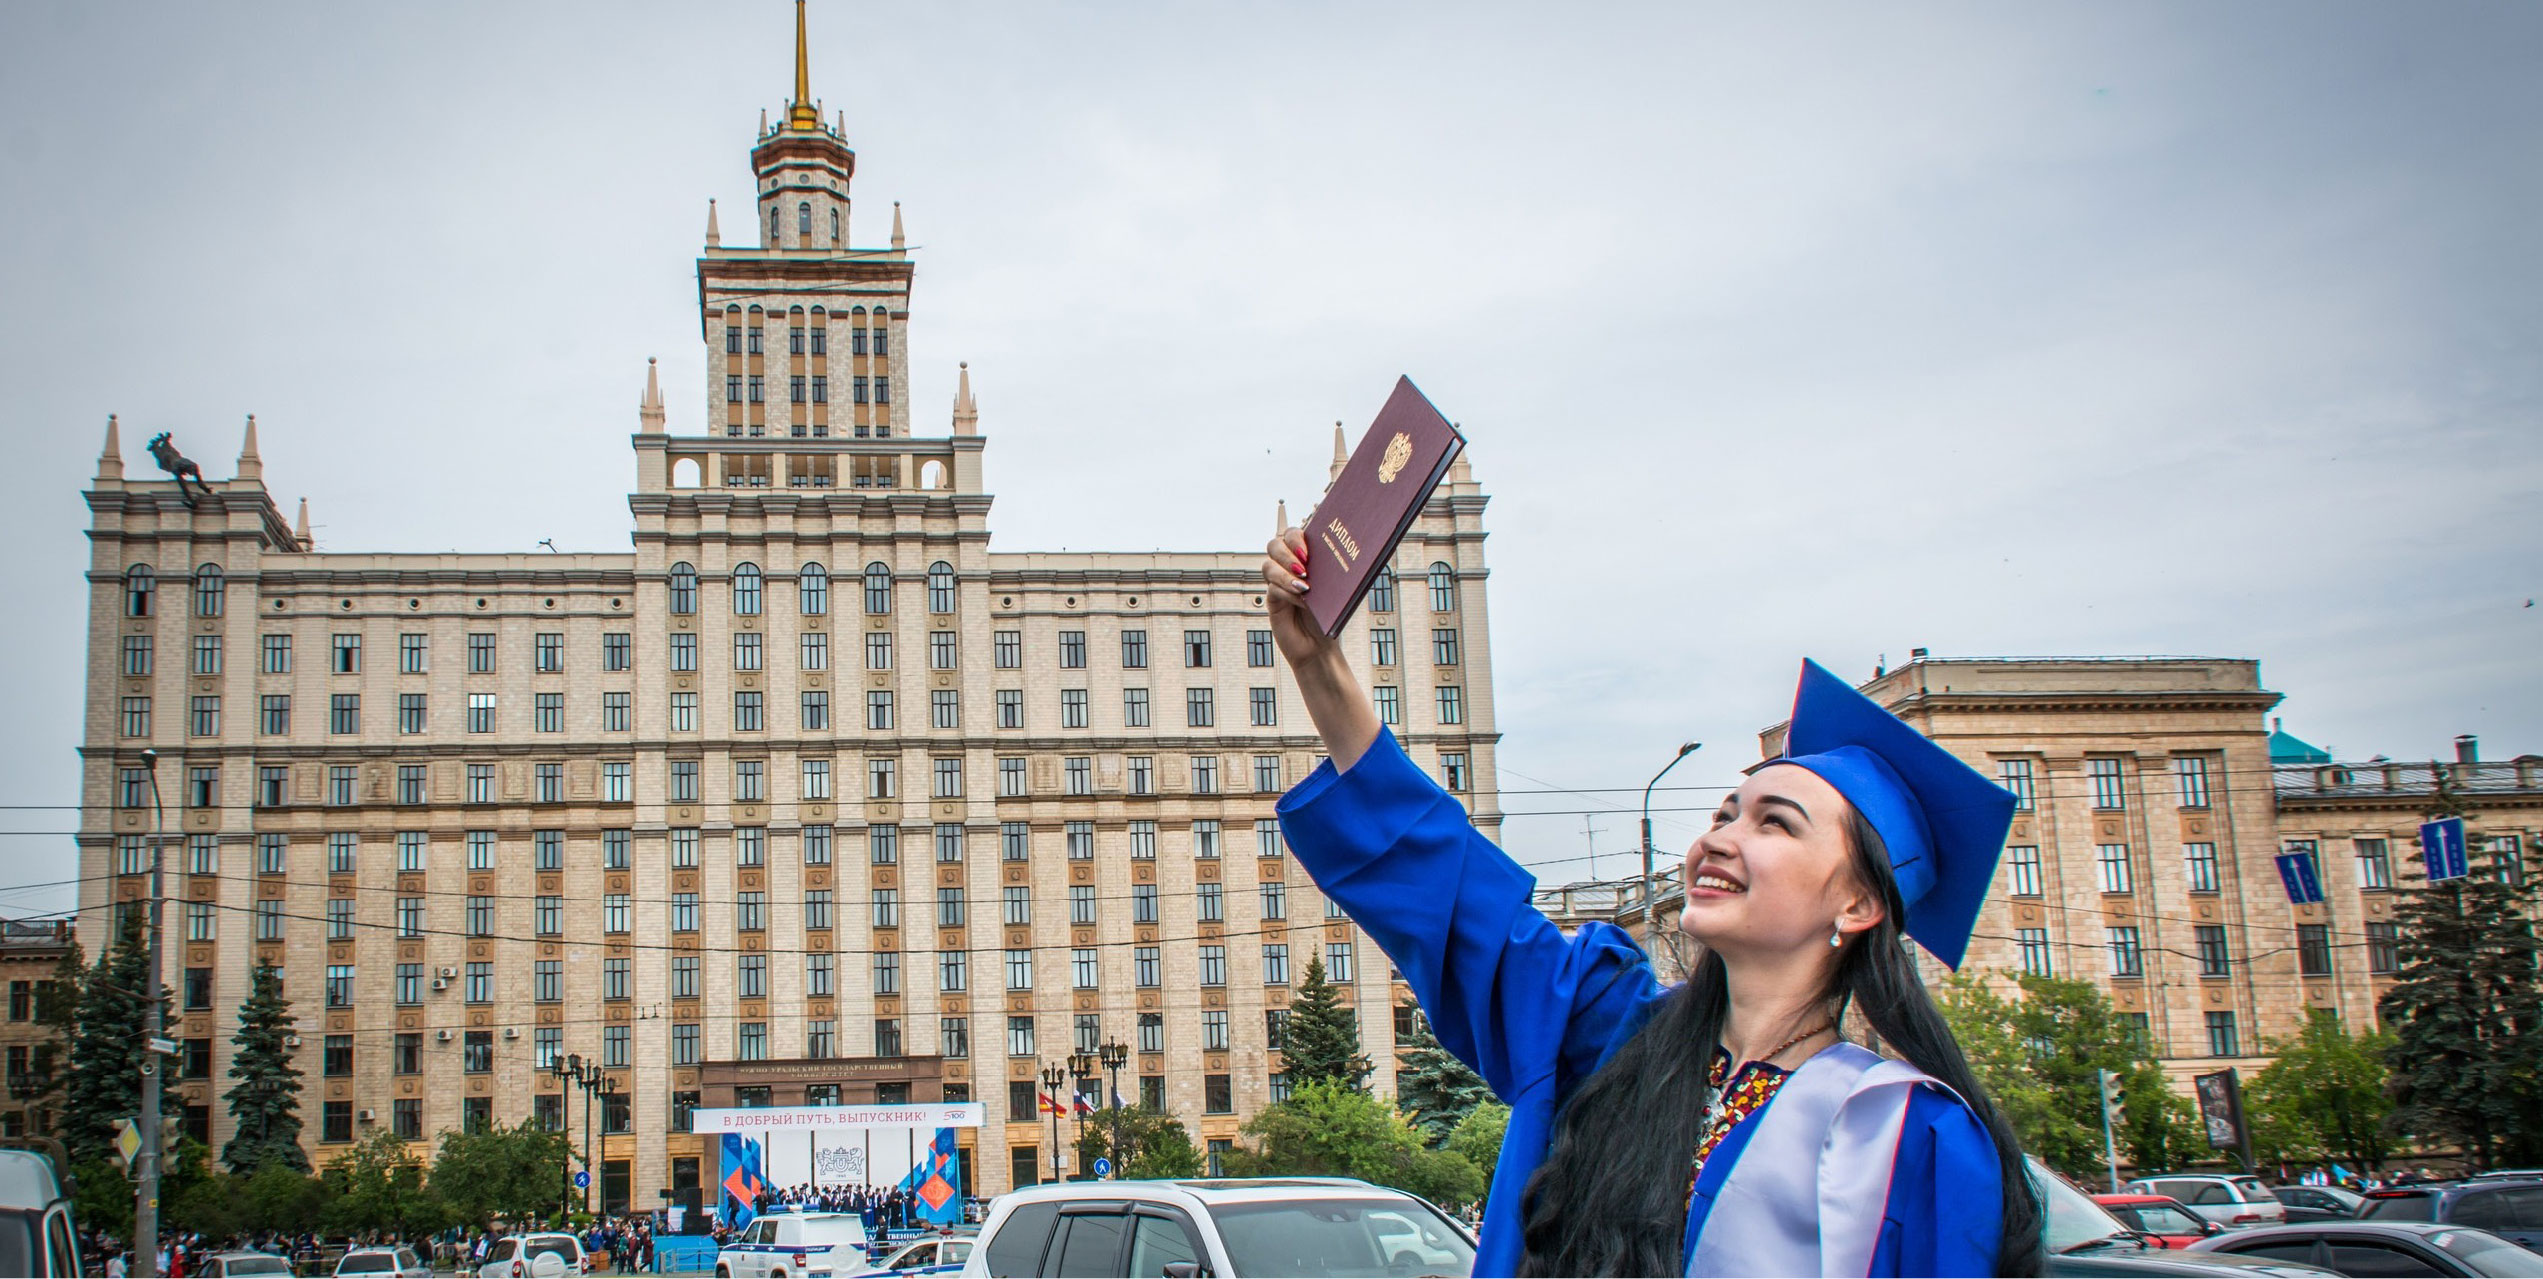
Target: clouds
[(1808, 329)]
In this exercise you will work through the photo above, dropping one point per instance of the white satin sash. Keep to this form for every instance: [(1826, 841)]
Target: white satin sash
[(1812, 1184)]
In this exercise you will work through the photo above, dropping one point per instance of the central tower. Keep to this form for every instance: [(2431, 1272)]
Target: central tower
[(803, 167)]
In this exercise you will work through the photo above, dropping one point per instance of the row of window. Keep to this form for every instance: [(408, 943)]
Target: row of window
[(2313, 950), (2112, 865), (2107, 780), (812, 588), (815, 389), (808, 339)]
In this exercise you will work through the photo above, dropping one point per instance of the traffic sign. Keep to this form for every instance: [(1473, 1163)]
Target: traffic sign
[(2303, 880), (2441, 848), (127, 1141), (1103, 1167), (582, 1179)]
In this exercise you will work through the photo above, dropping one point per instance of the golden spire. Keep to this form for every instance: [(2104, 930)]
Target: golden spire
[(801, 115)]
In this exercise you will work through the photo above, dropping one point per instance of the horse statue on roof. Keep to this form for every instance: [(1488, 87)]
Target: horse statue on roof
[(178, 465)]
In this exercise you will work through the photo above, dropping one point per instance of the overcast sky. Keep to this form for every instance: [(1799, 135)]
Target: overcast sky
[(1778, 330)]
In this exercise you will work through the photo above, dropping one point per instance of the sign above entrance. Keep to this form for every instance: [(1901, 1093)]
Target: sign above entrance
[(941, 1114)]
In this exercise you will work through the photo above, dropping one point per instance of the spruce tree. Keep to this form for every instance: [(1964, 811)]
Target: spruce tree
[(2466, 1057), (1323, 1040), (265, 1101), (1434, 1088), (109, 1043)]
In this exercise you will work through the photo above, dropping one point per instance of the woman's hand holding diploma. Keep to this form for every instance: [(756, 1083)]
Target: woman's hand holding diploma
[(1335, 702)]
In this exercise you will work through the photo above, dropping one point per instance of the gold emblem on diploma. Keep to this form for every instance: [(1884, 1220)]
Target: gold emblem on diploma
[(1398, 451)]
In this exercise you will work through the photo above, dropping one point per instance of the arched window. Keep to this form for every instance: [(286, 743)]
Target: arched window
[(746, 589), (208, 591), (1443, 587), (140, 583), (803, 218), (878, 588), (940, 587), (813, 582), (684, 587), (772, 226), (834, 224), (1382, 590)]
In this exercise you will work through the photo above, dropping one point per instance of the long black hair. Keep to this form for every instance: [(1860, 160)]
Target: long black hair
[(1611, 1196)]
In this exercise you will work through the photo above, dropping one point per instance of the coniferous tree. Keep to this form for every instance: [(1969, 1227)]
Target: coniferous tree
[(2467, 1006), (108, 1044), (59, 1014), (1434, 1088), (1323, 1039), (265, 1102)]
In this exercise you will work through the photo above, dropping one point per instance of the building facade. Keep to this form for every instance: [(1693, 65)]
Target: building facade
[(31, 953), (2154, 797), (811, 796)]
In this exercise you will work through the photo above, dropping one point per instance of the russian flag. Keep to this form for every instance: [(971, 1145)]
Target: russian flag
[(1084, 1107)]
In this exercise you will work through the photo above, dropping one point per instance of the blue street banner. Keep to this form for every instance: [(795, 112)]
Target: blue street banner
[(937, 1180), (2302, 877), (741, 1183), (2441, 849)]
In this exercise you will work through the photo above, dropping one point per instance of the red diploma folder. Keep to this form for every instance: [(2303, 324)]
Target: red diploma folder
[(1370, 507)]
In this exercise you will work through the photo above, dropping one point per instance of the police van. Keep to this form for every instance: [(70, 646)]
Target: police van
[(782, 1244)]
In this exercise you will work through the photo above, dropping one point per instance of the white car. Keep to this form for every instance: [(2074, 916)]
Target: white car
[(532, 1255), (1188, 1229), (400, 1262), (781, 1244), (919, 1254), (2234, 1202)]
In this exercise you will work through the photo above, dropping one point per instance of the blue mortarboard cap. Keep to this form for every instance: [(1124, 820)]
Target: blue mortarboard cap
[(1944, 821)]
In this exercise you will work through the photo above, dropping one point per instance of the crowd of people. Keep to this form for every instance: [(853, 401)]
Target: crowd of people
[(882, 1209)]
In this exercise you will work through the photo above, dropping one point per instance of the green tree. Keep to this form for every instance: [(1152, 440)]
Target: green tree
[(1478, 1137), (1153, 1144), (1983, 1022), (2040, 1055), (280, 1197), (2466, 1058), (2328, 1090), (1331, 1129), (499, 1171), (1322, 1042), (2159, 1130), (265, 1102), (58, 1012), (1435, 1088), (380, 1186), (109, 1044)]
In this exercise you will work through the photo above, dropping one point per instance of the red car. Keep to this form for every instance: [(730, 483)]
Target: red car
[(2160, 1218)]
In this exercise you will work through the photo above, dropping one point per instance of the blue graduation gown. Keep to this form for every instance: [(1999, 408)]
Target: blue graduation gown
[(1535, 1012)]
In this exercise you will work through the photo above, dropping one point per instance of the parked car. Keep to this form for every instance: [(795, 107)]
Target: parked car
[(37, 1236), (2511, 1209), (2230, 1201), (781, 1244), (541, 1253), (2160, 1219), (225, 1265), (2083, 1239), (2318, 1203), (400, 1262), (1229, 1227), (935, 1255), (2382, 1248), (2509, 1174)]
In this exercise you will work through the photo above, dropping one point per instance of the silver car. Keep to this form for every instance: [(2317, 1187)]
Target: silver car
[(1184, 1229), (399, 1262), (2234, 1202)]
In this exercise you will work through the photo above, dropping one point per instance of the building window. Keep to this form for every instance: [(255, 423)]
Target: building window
[(2383, 948), (1006, 650), (2189, 775), (1382, 646), (2201, 861), (136, 716), (1205, 839), (940, 587), (1452, 704), (887, 973), (547, 652), (948, 778), (347, 651), (1198, 710), (137, 652), (1015, 841), (207, 655), (2017, 777), (2221, 1038), (1196, 649), (1443, 646), (751, 1041), (547, 712), (2110, 867), (1382, 590), (481, 708), (1264, 704), (1019, 1036), (751, 977), (277, 656), (2213, 959), (953, 1037), (2023, 861), (2313, 950), (1205, 774), (953, 971), (1454, 772), (1079, 772), (1214, 964), (1019, 970), (2034, 946), (205, 719), (1390, 704), (1443, 587), (950, 911), (1083, 970), (1275, 965), (140, 584), (2109, 790), (749, 712), (878, 588), (749, 780), (1209, 902), (1072, 708), (1017, 906), (1214, 1030), (2125, 958), (944, 708)]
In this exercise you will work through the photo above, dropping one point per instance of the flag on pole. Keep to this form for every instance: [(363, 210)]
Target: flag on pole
[(1084, 1107), (1049, 1105)]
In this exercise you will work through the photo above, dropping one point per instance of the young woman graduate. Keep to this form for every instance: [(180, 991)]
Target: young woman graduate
[(1722, 1126)]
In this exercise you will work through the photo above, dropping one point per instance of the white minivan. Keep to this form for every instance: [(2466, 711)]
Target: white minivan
[(781, 1244)]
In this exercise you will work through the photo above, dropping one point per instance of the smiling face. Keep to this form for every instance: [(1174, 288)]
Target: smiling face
[(1775, 873)]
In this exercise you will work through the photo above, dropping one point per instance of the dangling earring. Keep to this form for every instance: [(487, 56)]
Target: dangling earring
[(1836, 935)]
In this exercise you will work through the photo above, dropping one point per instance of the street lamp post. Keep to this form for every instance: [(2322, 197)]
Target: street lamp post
[(1053, 1076), (1081, 1066), (145, 1215), (1115, 1055), (564, 1117), (1647, 849)]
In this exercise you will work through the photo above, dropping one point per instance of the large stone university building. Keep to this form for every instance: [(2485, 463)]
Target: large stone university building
[(812, 796)]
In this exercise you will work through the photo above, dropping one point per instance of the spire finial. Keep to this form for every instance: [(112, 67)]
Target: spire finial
[(966, 409), (897, 241), (300, 528), (1341, 456), (649, 415), (110, 461), (802, 114), (714, 238), (250, 466)]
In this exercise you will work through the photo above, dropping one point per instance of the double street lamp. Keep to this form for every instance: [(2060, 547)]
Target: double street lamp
[(594, 1081), (1115, 1055), (1081, 1067), (1053, 1076)]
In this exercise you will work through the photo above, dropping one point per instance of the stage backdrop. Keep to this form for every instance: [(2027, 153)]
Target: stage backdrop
[(777, 1147)]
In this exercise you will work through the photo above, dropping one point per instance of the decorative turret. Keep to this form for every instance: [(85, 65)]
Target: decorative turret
[(300, 528), (1341, 455), (803, 167), (966, 412), (898, 241), (250, 466), (649, 415), (714, 236), (110, 463)]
